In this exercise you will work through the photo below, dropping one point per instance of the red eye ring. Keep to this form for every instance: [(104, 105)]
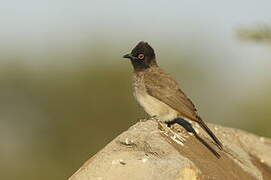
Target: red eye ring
[(141, 56)]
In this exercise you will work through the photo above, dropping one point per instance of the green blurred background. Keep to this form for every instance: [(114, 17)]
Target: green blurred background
[(66, 92)]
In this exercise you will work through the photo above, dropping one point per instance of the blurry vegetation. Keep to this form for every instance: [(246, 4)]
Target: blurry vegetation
[(257, 113), (59, 118), (257, 33), (258, 109), (55, 116)]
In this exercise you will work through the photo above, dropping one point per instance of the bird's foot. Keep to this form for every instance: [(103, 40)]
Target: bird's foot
[(171, 133), (170, 123)]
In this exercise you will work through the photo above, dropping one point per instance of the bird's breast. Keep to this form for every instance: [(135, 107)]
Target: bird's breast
[(152, 105)]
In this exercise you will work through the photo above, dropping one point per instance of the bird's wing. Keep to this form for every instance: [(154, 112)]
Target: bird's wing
[(164, 88)]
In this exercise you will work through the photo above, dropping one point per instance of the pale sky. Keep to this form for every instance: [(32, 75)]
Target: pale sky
[(35, 21), (33, 27)]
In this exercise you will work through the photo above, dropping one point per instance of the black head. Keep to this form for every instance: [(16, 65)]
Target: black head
[(142, 56)]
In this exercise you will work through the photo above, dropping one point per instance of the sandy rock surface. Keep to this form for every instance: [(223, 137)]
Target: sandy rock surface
[(147, 151)]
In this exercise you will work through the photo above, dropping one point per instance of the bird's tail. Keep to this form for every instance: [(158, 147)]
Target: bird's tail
[(210, 133)]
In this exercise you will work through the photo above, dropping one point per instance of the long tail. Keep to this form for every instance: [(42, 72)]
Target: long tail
[(210, 133)]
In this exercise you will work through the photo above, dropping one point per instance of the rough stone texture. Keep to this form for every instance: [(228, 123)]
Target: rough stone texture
[(148, 151)]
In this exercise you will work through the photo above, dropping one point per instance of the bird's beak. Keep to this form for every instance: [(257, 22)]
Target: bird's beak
[(129, 56)]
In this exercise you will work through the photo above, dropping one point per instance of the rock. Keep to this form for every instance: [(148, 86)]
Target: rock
[(150, 151)]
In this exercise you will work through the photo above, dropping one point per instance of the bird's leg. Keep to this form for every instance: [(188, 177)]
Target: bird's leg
[(187, 126), (171, 133), (172, 122)]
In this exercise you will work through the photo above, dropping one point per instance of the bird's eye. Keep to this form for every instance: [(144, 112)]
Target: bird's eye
[(141, 56)]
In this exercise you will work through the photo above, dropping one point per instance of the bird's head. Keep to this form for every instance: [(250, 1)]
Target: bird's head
[(142, 56)]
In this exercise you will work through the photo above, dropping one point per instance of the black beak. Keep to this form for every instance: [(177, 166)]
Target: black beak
[(129, 56)]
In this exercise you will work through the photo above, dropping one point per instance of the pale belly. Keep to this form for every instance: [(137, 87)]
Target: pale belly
[(154, 107)]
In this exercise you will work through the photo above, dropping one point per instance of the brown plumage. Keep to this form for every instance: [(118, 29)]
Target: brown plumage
[(158, 93)]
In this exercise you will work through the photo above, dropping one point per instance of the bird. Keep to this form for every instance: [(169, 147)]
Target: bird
[(159, 94)]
